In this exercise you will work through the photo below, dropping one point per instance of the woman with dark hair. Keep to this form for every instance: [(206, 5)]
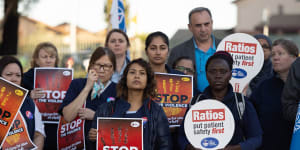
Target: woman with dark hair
[(135, 90), (11, 70), (91, 91), (118, 42), (247, 133), (157, 50), (267, 97)]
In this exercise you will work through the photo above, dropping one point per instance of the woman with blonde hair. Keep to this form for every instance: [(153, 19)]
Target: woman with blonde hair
[(44, 55)]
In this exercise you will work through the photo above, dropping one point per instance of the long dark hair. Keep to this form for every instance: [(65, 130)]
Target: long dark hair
[(153, 35), (149, 91)]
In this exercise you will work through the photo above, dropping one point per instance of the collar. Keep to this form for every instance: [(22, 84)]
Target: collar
[(124, 66), (213, 45), (122, 106)]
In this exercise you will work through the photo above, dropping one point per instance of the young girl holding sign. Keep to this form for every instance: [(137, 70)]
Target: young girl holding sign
[(135, 88), (247, 134), (11, 70)]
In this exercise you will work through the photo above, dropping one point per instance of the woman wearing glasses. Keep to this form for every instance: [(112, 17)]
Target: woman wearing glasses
[(92, 91), (184, 64)]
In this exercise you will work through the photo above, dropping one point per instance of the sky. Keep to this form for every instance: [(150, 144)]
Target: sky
[(152, 15)]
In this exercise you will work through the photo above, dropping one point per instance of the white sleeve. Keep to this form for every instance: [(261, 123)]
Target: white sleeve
[(39, 125)]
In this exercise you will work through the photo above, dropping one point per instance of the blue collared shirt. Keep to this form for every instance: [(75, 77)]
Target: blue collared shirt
[(201, 58), (117, 76)]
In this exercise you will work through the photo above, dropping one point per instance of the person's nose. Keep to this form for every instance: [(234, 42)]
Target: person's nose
[(14, 79), (157, 51), (48, 59), (275, 57), (185, 71), (137, 75)]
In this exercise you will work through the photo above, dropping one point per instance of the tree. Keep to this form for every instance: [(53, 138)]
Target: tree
[(10, 26)]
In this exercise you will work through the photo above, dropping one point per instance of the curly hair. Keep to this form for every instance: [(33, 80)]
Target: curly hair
[(150, 89)]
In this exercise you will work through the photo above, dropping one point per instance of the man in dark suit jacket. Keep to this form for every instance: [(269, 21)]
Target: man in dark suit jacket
[(200, 47)]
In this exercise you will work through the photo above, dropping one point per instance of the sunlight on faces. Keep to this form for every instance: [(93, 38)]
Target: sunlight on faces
[(104, 68), (12, 73), (136, 77), (201, 26), (281, 59), (266, 48), (46, 57), (218, 74), (157, 51), (117, 43)]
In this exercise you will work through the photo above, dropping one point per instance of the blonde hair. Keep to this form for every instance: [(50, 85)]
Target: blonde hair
[(49, 48)]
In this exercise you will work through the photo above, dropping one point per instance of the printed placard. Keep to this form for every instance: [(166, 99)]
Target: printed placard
[(248, 58), (209, 124), (119, 133), (70, 135), (18, 137), (55, 83), (174, 93), (295, 145), (11, 99)]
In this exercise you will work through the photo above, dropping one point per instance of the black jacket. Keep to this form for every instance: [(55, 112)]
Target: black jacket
[(159, 134), (291, 92), (27, 80)]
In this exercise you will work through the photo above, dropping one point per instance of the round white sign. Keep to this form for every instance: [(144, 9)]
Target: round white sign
[(209, 124), (248, 58)]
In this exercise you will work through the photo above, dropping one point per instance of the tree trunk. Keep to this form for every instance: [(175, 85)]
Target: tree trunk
[(10, 28)]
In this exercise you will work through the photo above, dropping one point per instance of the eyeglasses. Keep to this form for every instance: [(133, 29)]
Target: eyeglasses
[(105, 67), (183, 69)]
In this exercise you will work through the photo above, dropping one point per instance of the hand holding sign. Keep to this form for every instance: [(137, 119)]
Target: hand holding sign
[(248, 58)]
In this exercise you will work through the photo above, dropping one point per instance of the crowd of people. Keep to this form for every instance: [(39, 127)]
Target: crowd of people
[(271, 100)]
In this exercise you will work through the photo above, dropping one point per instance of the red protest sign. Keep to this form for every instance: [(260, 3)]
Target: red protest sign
[(119, 133), (55, 83), (18, 137), (11, 100), (174, 93), (70, 135)]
